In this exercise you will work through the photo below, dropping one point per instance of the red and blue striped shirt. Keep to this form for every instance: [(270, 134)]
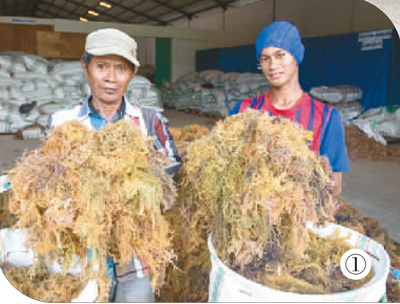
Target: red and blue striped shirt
[(322, 124)]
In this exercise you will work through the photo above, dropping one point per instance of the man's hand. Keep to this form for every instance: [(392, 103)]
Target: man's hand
[(337, 186)]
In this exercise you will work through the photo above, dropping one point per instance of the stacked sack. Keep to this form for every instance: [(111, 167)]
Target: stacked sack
[(32, 87), (213, 91), (345, 98), (11, 95), (142, 92)]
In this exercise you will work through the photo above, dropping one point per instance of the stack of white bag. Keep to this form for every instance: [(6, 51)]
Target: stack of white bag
[(141, 92), (25, 85), (213, 91), (11, 95), (51, 85), (68, 76), (345, 98), (379, 123), (65, 80)]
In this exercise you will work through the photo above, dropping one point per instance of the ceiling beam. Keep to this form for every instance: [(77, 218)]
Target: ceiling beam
[(181, 7), (202, 10), (224, 5), (35, 7), (43, 11), (49, 5), (137, 12), (174, 8)]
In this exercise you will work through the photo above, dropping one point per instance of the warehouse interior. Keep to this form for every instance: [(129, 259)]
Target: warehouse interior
[(197, 61)]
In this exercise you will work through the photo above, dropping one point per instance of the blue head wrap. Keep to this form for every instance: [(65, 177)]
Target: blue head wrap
[(283, 35)]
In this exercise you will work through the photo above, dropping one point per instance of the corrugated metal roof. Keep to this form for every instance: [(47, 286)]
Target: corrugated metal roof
[(154, 12)]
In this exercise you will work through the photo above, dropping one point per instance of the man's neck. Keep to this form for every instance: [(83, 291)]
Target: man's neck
[(284, 98), (106, 110)]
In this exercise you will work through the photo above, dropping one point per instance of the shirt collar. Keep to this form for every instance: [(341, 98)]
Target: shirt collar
[(88, 109)]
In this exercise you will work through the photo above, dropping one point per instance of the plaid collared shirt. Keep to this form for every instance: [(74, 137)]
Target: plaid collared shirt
[(151, 123)]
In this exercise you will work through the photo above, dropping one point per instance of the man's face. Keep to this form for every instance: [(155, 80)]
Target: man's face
[(278, 66), (108, 77)]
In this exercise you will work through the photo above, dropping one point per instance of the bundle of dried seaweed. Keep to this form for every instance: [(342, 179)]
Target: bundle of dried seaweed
[(317, 273), (189, 133), (102, 190), (183, 137), (43, 285), (7, 220), (255, 184)]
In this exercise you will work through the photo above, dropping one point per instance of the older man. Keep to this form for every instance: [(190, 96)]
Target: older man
[(109, 63), (280, 51)]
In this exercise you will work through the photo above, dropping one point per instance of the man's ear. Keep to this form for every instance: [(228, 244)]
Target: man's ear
[(135, 70), (84, 68)]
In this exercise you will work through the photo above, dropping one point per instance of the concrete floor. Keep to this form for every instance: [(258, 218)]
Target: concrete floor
[(371, 187)]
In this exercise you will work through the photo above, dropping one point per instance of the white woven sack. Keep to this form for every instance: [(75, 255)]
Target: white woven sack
[(10, 114), (231, 77), (6, 127), (26, 76), (12, 102), (192, 77), (71, 67), (51, 107), (32, 116), (12, 93), (10, 82), (3, 72), (68, 79), (35, 64), (140, 80), (228, 286), (35, 84), (13, 247), (12, 64), (250, 77), (42, 119), (211, 76), (40, 94)]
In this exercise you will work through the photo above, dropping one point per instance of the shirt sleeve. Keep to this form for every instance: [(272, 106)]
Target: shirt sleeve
[(236, 108), (333, 144), (164, 139)]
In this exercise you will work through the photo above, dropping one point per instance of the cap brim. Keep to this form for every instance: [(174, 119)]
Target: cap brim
[(113, 51)]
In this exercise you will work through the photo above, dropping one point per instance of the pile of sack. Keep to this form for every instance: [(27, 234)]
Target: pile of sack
[(345, 98), (32, 87), (380, 123), (212, 91)]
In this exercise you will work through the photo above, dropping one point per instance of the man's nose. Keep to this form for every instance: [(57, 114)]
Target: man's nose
[(273, 63), (110, 74)]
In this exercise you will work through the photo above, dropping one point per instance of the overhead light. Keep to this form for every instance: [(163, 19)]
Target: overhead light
[(93, 13), (105, 4), (83, 19)]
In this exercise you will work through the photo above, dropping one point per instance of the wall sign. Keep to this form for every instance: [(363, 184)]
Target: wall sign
[(373, 40)]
